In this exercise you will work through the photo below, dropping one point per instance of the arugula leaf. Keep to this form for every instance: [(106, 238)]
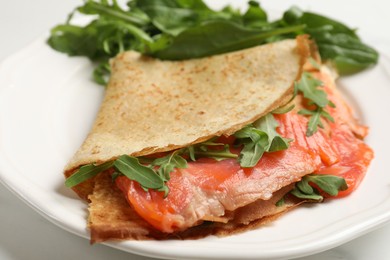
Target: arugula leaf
[(254, 145), (329, 184), (268, 124), (310, 88), (259, 138), (86, 172), (134, 170), (315, 119), (284, 109), (210, 149), (311, 196), (168, 163)]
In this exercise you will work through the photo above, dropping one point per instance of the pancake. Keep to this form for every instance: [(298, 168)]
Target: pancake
[(155, 106)]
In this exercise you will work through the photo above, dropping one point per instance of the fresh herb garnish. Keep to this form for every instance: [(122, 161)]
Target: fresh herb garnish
[(186, 29), (258, 138), (168, 163), (311, 89), (336, 42), (210, 149), (86, 172), (134, 170), (329, 184)]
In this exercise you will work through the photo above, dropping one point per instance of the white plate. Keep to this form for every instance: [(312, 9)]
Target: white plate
[(48, 103)]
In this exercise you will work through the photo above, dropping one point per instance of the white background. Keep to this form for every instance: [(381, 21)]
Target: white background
[(24, 234)]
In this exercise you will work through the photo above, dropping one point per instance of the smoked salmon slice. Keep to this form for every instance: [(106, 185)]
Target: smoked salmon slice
[(208, 189)]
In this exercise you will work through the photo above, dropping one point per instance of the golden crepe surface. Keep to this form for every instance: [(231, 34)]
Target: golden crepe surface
[(153, 106)]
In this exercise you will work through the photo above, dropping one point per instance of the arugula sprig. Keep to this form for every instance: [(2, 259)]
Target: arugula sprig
[(86, 172), (329, 184), (258, 138), (311, 88)]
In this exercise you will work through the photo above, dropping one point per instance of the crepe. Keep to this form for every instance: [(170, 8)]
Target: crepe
[(154, 106)]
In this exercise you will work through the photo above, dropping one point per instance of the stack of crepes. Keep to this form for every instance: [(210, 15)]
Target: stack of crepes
[(153, 107)]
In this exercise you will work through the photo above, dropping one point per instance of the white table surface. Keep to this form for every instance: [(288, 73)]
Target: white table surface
[(24, 234)]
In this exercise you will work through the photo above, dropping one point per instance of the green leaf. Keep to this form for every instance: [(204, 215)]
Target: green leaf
[(113, 12), (329, 184), (259, 138), (313, 196), (304, 187), (75, 41), (102, 73), (252, 152), (311, 89), (255, 16), (86, 172), (309, 86), (295, 15), (336, 42), (268, 124), (210, 149), (216, 37), (348, 53), (132, 169), (168, 163), (165, 170), (173, 158), (173, 17), (314, 122), (280, 202), (283, 110), (279, 143)]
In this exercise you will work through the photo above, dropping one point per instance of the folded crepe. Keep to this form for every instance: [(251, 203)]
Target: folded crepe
[(153, 106)]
